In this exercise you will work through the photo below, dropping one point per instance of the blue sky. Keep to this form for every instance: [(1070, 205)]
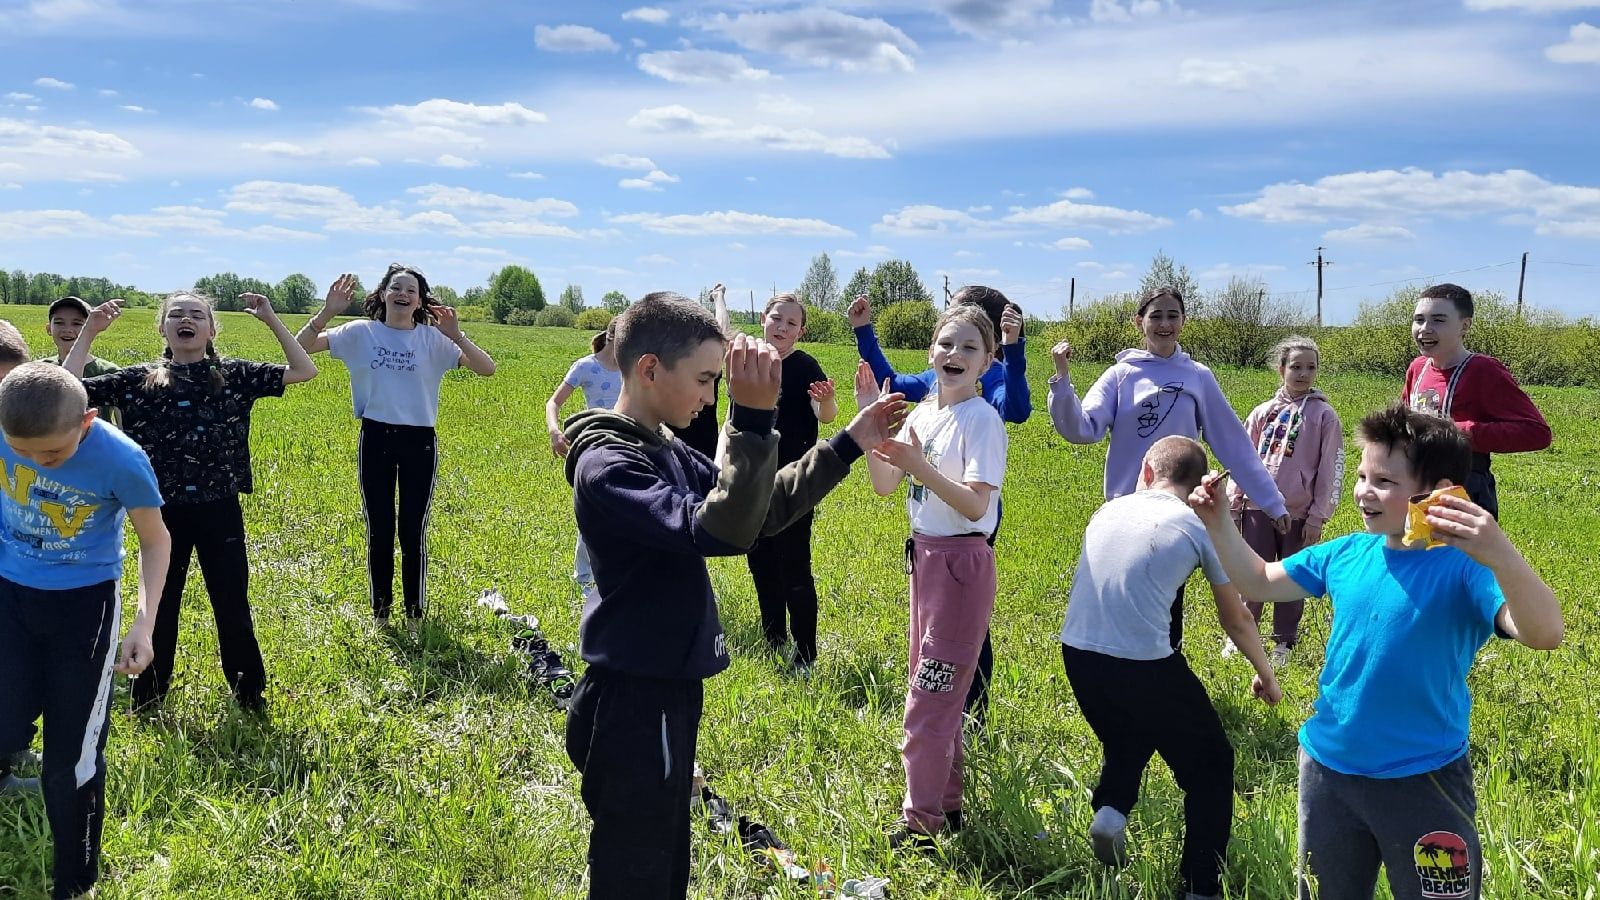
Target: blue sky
[(1017, 143)]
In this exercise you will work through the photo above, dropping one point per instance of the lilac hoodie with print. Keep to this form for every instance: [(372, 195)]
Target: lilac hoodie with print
[(1143, 398), (1301, 442)]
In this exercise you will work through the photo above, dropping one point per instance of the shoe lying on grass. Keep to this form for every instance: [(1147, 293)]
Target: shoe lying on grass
[(764, 846), (13, 786), (544, 664)]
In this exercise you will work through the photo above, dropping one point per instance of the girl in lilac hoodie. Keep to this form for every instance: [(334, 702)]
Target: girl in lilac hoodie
[(1299, 439), (1152, 392)]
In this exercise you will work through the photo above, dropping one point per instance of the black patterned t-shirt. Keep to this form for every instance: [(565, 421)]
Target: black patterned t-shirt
[(198, 441)]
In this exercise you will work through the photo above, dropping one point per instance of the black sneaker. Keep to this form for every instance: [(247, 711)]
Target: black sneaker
[(765, 848), (544, 664), (719, 816), (908, 838), (952, 820)]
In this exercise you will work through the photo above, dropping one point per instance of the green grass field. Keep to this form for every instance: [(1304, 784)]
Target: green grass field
[(398, 768)]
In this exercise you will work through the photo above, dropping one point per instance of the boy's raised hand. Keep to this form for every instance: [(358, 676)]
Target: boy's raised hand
[(755, 372), (877, 422), (1209, 499), (339, 293), (860, 311), (101, 317), (1266, 690), (821, 391), (1061, 355), (866, 388), (1011, 324), (1468, 526), (259, 306)]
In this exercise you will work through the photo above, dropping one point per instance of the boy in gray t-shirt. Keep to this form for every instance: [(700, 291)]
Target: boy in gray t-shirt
[(1135, 690)]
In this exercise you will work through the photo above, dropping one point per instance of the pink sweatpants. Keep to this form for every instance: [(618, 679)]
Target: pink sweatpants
[(952, 598)]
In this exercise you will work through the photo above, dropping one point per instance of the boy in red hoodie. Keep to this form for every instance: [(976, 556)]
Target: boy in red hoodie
[(1474, 390)]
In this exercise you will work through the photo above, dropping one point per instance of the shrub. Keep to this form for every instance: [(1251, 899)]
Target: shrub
[(522, 317), (824, 327), (594, 319), (555, 317), (472, 313), (907, 325), (1100, 330)]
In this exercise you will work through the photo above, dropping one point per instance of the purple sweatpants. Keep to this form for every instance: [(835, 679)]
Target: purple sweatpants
[(952, 598), (1263, 537)]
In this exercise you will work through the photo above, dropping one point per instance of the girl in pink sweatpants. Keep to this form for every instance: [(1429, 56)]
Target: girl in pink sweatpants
[(952, 449)]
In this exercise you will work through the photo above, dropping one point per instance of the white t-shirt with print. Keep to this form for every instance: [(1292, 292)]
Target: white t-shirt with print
[(394, 372), (601, 386), (967, 443)]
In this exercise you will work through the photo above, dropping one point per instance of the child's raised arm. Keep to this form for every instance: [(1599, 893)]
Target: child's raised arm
[(552, 418), (1086, 422), (155, 549), (472, 356), (311, 335), (301, 368), (100, 318), (859, 315), (1262, 582), (719, 301), (1531, 614), (824, 402)]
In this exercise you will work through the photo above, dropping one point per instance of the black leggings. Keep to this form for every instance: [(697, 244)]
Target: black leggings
[(780, 566), (977, 705), (214, 532), (407, 455)]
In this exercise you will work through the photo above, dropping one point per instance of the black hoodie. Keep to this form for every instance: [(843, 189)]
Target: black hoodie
[(651, 509)]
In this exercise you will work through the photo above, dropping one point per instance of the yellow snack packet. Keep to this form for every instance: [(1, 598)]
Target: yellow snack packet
[(1417, 527)]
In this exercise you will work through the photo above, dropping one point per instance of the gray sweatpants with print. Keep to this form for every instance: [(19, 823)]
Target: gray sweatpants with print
[(1419, 828)]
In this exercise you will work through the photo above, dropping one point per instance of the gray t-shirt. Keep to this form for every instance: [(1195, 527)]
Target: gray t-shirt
[(1137, 551)]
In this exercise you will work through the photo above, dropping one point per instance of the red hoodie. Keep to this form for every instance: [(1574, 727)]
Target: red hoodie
[(1485, 401)]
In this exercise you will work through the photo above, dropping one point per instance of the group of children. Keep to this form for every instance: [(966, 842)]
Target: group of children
[(1384, 776)]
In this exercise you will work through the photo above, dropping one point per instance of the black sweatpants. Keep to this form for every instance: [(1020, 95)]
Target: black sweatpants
[(214, 532), (1141, 707), (57, 649), (977, 706), (406, 455), (780, 566), (633, 740), (1480, 485)]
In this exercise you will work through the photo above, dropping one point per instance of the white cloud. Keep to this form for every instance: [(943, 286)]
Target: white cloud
[(651, 182), (1113, 11), (1087, 215), (132, 108), (1225, 75), (699, 67), (36, 223), (338, 211), (677, 119), (363, 161), (1389, 197), (451, 161), (928, 219), (53, 140), (731, 222), (460, 199), (1195, 215), (54, 84), (20, 97), (821, 37), (1537, 6), (650, 14), (1582, 46), (528, 176), (996, 18), (10, 186), (287, 200), (108, 92), (451, 114), (282, 148), (1078, 193), (875, 251), (656, 259), (263, 103), (1368, 233), (159, 222), (1221, 272), (96, 176), (624, 161), (572, 39), (1072, 243), (782, 105)]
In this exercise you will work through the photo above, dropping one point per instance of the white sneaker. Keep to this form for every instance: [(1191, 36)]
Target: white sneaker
[(1229, 648), (1280, 655), (1108, 837), (13, 786)]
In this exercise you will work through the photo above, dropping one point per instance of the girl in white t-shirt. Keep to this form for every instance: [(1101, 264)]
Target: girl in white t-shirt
[(953, 450), (397, 358), (600, 380)]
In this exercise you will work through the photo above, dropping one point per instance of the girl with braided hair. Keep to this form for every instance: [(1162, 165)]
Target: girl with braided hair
[(190, 411)]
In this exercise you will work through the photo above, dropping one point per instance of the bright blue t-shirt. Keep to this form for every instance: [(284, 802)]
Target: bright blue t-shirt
[(1392, 699), (62, 527)]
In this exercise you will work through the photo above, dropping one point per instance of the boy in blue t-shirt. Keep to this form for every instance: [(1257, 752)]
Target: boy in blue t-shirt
[(1384, 774), (69, 479)]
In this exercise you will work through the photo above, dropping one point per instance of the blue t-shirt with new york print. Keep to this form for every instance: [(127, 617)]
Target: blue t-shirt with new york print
[(62, 526), (1392, 700)]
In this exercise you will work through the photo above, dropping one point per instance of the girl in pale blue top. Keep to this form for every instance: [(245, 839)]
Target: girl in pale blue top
[(600, 380)]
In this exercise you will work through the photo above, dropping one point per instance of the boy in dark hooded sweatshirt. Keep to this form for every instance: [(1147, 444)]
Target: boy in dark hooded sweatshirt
[(651, 509)]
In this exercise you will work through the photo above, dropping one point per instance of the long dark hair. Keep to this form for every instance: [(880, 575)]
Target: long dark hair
[(422, 315)]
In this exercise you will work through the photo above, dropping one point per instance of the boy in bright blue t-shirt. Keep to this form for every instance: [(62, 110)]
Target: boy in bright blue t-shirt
[(1384, 774), (69, 481)]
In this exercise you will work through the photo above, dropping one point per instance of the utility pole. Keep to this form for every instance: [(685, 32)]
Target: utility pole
[(753, 306), (947, 292), (1072, 295), (1521, 280), (1319, 264)]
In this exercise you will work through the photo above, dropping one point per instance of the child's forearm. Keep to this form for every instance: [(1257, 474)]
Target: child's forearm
[(1246, 570), (473, 357), (1535, 612), (78, 356), (962, 498), (301, 368), (886, 476), (827, 410), (1241, 628), (155, 553)]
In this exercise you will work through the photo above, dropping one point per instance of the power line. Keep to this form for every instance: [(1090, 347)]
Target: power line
[(1351, 287), (1557, 262)]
